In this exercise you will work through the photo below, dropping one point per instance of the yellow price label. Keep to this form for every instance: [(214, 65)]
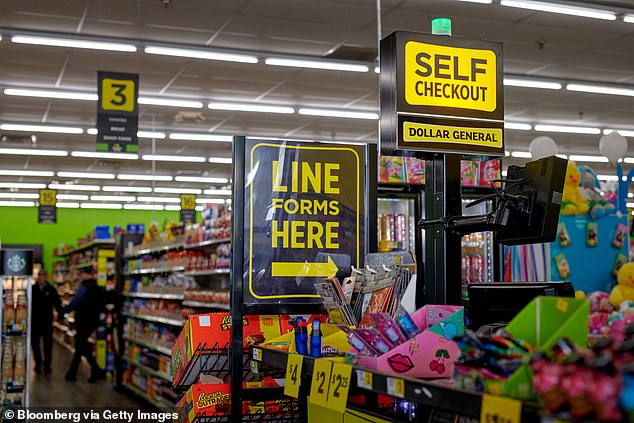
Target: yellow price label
[(364, 379), (396, 387), (339, 387), (562, 305), (188, 201), (321, 382), (117, 94), (48, 197), (293, 375), (500, 410), (257, 354)]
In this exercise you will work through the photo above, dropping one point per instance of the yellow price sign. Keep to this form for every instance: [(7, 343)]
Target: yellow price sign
[(500, 410), (48, 197), (396, 387), (118, 94), (293, 375), (339, 387), (321, 382), (188, 201)]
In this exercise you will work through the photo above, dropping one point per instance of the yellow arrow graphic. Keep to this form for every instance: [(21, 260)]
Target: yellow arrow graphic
[(293, 269)]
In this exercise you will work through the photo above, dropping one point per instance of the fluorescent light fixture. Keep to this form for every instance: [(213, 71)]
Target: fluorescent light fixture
[(201, 54), (41, 128), (560, 8), (43, 173), (532, 83), (168, 102), (377, 69), (76, 197), (316, 64), (165, 190), (521, 154), (149, 134), (507, 153), (21, 185), (338, 113), (608, 177), (210, 201), (73, 43), (123, 188), (629, 205), (629, 160), (249, 107), (630, 195), (33, 152), (199, 208), (203, 179), (518, 126), (568, 129), (73, 187), (67, 205), (600, 89), (583, 158), (143, 207), (217, 192), (172, 208), (132, 177), (92, 131), (98, 155), (226, 160), (64, 95), (18, 195), (165, 158), (126, 198), (85, 175), (628, 18), (111, 206), (201, 137), (504, 173), (562, 156), (17, 203), (158, 200), (624, 132)]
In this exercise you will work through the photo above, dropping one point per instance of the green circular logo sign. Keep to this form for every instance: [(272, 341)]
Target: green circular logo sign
[(16, 263)]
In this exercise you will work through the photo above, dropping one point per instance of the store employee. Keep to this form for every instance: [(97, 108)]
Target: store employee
[(45, 299)]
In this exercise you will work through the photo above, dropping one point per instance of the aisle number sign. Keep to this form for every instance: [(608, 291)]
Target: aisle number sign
[(441, 94), (47, 210), (117, 112), (188, 208), (304, 213)]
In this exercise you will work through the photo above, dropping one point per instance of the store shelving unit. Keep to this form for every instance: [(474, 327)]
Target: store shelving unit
[(149, 344), (156, 319), (200, 304), (158, 295)]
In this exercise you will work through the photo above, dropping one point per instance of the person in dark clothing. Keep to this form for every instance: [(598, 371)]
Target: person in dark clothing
[(88, 305), (44, 300)]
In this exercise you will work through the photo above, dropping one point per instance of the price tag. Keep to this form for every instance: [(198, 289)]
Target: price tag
[(293, 375), (500, 410), (562, 305), (254, 366), (257, 354), (364, 379), (396, 387), (339, 387), (321, 382)]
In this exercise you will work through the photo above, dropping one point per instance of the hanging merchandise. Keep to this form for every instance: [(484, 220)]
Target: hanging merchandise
[(592, 234)]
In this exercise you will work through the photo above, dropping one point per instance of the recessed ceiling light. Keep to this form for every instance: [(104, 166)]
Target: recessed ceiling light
[(76, 197), (33, 152), (165, 158), (568, 129), (158, 200), (132, 177), (67, 205), (41, 128), (99, 155), (18, 195), (203, 179), (85, 175), (210, 201), (628, 18), (149, 134), (123, 188), (166, 190), (73, 43), (157, 101), (584, 158), (316, 64), (338, 113), (65, 95), (249, 107), (73, 187), (144, 207), (200, 137), (201, 54), (217, 192), (517, 126), (101, 206), (172, 208), (43, 173), (17, 203), (92, 131), (126, 198), (560, 8), (521, 154), (225, 160), (20, 185), (531, 83), (600, 89)]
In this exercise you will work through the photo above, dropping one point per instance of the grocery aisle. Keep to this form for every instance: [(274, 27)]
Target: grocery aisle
[(52, 390)]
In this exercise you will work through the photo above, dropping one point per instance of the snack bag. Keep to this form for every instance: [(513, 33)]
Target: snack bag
[(562, 265), (391, 169), (468, 175), (562, 235), (592, 234), (490, 171), (415, 170), (620, 236)]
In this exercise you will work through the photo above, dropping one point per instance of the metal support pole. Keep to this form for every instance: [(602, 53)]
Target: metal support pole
[(443, 276)]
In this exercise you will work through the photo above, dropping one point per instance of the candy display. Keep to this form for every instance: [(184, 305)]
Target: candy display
[(216, 224)]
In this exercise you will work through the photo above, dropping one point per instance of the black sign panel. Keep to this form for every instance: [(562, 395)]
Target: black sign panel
[(304, 217), (426, 79), (47, 211), (117, 112), (16, 262)]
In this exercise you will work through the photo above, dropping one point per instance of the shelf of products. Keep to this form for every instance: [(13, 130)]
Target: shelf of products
[(208, 272), (81, 266), (148, 370), (155, 270), (157, 319), (208, 243), (151, 344), (140, 393), (163, 296), (199, 304), (107, 242)]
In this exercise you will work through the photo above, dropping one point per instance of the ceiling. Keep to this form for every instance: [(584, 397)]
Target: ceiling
[(536, 44)]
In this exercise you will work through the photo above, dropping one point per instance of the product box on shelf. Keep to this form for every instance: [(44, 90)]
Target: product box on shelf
[(430, 354), (333, 339)]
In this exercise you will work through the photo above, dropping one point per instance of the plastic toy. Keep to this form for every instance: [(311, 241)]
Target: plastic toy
[(591, 189), (624, 290), (573, 201)]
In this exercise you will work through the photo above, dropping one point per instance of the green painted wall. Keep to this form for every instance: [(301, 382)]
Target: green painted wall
[(19, 225)]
